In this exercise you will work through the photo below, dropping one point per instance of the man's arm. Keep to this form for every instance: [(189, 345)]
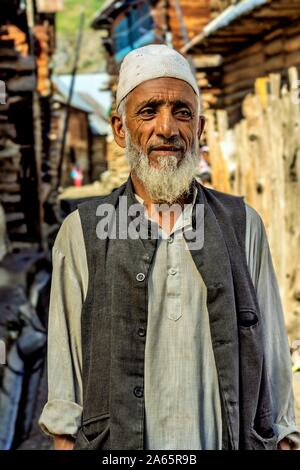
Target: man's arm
[(61, 416), (278, 358)]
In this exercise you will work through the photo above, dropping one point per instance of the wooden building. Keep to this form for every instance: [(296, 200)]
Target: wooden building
[(253, 38), (86, 132), (127, 25), (27, 42)]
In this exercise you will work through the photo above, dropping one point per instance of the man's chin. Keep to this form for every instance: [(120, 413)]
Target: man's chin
[(163, 162), (159, 196)]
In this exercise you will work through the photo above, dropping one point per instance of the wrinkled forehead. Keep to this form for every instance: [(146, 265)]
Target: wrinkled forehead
[(160, 91)]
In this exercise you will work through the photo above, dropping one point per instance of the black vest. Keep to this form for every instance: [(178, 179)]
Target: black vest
[(115, 312)]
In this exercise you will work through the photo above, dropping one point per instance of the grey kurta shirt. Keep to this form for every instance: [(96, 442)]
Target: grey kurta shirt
[(182, 402)]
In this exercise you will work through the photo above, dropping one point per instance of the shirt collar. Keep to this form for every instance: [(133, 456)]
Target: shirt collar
[(183, 221)]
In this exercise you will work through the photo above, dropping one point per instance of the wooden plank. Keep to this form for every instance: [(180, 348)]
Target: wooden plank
[(275, 63), (8, 130), (10, 188), (22, 64), (11, 151), (14, 217), (292, 59), (278, 32), (247, 51), (245, 73), (21, 84), (292, 44), (6, 52), (7, 177), (246, 61), (246, 84), (292, 29), (274, 47), (7, 198), (234, 98)]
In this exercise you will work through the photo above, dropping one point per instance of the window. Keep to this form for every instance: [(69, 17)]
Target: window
[(133, 31), (121, 38)]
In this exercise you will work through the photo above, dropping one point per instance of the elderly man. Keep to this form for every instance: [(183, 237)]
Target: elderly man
[(156, 342)]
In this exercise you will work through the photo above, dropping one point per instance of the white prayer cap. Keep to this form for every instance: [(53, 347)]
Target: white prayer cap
[(154, 61)]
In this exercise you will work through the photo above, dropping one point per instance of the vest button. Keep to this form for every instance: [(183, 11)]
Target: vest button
[(172, 272), (141, 331), (140, 277), (138, 391)]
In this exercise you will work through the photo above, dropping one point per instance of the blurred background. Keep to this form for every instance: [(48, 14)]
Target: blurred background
[(59, 63)]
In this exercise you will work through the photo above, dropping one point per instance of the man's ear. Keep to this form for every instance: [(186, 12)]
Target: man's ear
[(118, 129), (201, 125)]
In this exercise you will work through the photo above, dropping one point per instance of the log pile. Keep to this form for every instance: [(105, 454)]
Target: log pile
[(25, 115), (17, 72), (43, 34)]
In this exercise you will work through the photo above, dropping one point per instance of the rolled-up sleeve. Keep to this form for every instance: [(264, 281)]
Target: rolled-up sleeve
[(62, 413), (278, 357)]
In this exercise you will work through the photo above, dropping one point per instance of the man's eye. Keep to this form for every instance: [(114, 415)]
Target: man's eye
[(147, 112), (184, 113)]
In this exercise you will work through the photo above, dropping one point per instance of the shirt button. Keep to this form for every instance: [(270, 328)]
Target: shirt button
[(172, 271), (140, 277), (141, 331), (138, 391), (170, 240)]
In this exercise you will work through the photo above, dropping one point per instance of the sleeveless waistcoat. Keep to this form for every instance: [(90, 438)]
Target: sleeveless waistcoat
[(115, 309)]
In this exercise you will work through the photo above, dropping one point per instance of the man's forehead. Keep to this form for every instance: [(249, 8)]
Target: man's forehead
[(165, 89)]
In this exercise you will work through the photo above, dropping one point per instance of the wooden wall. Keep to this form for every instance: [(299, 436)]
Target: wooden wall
[(275, 52), (181, 16)]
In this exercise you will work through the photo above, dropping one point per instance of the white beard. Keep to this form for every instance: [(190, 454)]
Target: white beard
[(171, 179)]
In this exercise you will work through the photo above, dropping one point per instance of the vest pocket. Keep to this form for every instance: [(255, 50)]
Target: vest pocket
[(262, 443), (247, 318), (93, 434)]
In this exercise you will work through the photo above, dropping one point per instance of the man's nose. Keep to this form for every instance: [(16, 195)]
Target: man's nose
[(166, 125)]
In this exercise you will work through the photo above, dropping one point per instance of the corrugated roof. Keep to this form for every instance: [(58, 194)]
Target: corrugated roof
[(229, 15), (98, 125), (106, 10), (94, 84), (88, 97), (76, 101)]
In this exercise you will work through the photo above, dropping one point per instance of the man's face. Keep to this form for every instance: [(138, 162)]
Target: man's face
[(162, 118), (160, 129)]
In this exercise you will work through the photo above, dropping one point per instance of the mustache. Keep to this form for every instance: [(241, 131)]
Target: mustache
[(174, 141)]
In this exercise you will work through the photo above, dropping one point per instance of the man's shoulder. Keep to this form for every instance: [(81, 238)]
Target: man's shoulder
[(90, 206), (69, 236), (253, 217), (226, 198), (228, 208), (254, 224)]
